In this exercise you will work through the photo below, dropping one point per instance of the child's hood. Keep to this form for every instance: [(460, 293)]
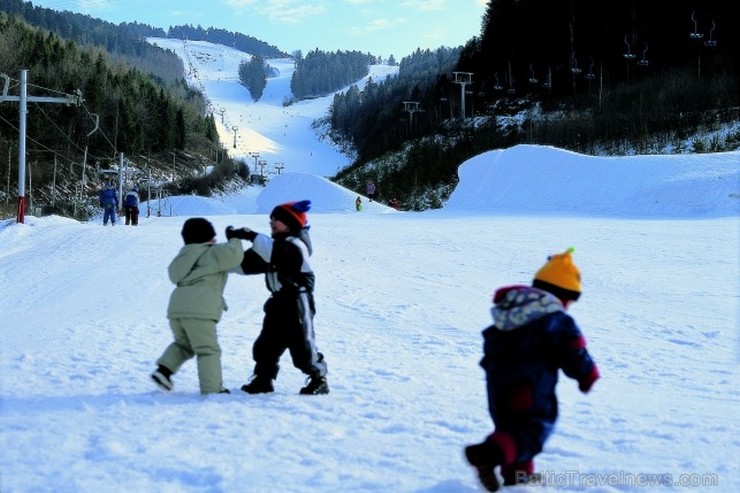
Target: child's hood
[(185, 261), (516, 306)]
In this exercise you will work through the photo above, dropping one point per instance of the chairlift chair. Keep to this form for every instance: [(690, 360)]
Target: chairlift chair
[(548, 82), (574, 64), (629, 55), (643, 62), (591, 75), (711, 42), (696, 34)]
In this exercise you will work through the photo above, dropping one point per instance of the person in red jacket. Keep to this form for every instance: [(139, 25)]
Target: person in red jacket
[(530, 341)]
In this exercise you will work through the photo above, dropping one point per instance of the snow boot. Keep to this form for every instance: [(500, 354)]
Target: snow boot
[(258, 385), (315, 386), (480, 457), (520, 473), (161, 377)]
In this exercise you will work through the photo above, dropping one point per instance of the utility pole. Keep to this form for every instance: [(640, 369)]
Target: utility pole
[(234, 129), (174, 169), (463, 78), (23, 99), (7, 195), (121, 170)]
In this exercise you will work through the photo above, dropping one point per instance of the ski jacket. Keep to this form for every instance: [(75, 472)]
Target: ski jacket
[(132, 199), (531, 339), (283, 259), (200, 271), (108, 196)]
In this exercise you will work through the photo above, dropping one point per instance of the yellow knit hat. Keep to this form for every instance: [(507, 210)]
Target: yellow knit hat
[(560, 276)]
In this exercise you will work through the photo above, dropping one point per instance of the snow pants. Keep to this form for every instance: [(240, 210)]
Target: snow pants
[(195, 337), (132, 215), (109, 213), (288, 324)]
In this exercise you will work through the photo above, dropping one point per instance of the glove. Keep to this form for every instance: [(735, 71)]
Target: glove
[(241, 233)]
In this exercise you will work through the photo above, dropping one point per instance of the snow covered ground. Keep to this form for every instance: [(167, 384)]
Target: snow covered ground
[(401, 298)]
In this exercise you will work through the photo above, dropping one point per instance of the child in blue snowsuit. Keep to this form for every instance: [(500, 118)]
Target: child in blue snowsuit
[(288, 323), (531, 339), (108, 197)]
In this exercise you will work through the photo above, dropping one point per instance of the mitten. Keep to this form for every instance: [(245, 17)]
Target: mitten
[(586, 384), (246, 234), (230, 232)]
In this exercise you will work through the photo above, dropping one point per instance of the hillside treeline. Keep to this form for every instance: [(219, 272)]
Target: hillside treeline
[(122, 44), (559, 67), (146, 121), (376, 119), (559, 43), (239, 41), (320, 73)]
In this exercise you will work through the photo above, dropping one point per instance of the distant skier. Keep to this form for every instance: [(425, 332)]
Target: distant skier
[(358, 204), (530, 340), (108, 197), (131, 206), (370, 190)]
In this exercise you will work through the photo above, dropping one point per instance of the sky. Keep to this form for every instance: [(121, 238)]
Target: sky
[(402, 298), (381, 27)]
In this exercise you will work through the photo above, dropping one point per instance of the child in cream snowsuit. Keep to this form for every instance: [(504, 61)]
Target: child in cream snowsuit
[(531, 339), (200, 271)]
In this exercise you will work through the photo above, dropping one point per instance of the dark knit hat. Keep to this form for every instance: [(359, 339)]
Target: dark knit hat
[(292, 214), (560, 276), (197, 230)]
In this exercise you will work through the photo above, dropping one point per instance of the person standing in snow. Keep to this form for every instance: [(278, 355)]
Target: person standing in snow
[(370, 190), (200, 271), (289, 312), (358, 204), (531, 339), (131, 206), (108, 197)]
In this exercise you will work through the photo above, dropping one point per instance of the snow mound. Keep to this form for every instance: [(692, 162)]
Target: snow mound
[(543, 179)]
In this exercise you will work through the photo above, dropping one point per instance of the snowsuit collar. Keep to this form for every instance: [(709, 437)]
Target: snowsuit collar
[(301, 234), (516, 306)]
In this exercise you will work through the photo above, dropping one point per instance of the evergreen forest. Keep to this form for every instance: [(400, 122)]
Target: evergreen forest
[(320, 73), (603, 77), (153, 119)]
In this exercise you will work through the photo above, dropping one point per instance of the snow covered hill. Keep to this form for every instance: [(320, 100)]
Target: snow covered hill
[(280, 134)]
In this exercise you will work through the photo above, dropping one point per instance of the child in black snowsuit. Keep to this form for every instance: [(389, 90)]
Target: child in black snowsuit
[(531, 339), (288, 323)]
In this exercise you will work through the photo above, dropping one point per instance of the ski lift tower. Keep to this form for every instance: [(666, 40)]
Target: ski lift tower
[(412, 107), (463, 78), (24, 99), (234, 129)]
